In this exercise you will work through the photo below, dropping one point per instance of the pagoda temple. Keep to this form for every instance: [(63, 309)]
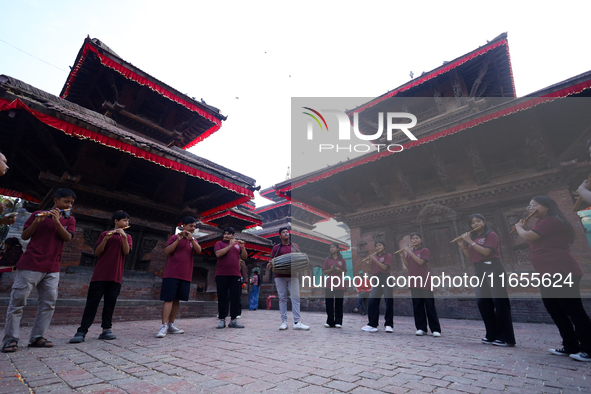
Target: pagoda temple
[(479, 149), (301, 219), (117, 137)]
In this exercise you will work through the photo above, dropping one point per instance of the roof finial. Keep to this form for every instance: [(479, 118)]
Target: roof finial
[(288, 175)]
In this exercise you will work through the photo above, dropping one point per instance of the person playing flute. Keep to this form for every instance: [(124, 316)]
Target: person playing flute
[(381, 263), (228, 277), (111, 249), (176, 280), (549, 241), (416, 259), (482, 248)]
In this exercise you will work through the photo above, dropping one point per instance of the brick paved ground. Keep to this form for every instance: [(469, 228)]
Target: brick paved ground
[(262, 358)]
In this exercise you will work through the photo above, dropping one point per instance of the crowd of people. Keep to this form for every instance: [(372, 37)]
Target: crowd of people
[(549, 240)]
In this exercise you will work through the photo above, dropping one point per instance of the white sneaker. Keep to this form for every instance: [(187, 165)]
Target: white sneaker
[(338, 326), (326, 325), (300, 326), (420, 333), (389, 329), (172, 329), (238, 317), (436, 334), (283, 326), (369, 329), (162, 332)]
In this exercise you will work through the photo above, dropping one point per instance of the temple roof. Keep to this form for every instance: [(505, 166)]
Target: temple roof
[(102, 81), (76, 121)]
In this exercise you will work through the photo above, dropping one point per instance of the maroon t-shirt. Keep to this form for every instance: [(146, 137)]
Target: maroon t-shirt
[(44, 251), (328, 264), (109, 266), (491, 241), (551, 253), (414, 269), (180, 262), (383, 259), (228, 264), (280, 250)]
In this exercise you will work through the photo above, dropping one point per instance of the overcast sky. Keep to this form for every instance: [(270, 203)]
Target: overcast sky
[(250, 58)]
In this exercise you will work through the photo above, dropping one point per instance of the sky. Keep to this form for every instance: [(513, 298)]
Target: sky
[(250, 58)]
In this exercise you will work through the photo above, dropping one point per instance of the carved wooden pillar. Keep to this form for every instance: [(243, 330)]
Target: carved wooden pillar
[(474, 155), (454, 78), (437, 162)]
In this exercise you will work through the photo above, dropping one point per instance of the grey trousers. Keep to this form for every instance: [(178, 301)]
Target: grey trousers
[(24, 282), (293, 285)]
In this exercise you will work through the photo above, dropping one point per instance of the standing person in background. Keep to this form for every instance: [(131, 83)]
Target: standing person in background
[(39, 268), (287, 282), (334, 266), (549, 241), (482, 248), (112, 246), (381, 263), (176, 280), (363, 289), (416, 260), (255, 281), (228, 277), (13, 250), (3, 169)]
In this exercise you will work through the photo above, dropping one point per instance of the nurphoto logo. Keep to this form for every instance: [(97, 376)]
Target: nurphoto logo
[(345, 130)]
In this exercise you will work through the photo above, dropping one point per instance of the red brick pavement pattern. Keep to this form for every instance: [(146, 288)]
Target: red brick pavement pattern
[(260, 358)]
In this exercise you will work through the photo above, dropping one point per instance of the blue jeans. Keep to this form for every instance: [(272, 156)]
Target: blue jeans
[(253, 298)]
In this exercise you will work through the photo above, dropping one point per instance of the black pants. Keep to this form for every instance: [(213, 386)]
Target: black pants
[(566, 309), (233, 286), (239, 299), (96, 291), (334, 306), (423, 305), (493, 302), (373, 312)]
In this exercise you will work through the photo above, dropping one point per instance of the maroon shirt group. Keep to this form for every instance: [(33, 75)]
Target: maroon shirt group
[(180, 262), (228, 264), (383, 259), (111, 262), (339, 263), (280, 250), (414, 269), (44, 251), (491, 241), (551, 253)]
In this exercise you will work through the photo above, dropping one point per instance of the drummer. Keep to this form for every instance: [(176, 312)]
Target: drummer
[(287, 282)]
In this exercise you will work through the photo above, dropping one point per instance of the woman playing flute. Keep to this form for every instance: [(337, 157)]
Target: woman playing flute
[(482, 248), (381, 263), (334, 266), (549, 241), (416, 259)]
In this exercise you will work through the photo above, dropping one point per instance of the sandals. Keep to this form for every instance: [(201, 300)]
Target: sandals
[(41, 342), (10, 347)]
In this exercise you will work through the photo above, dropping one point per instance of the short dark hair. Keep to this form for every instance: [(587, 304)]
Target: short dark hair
[(63, 192), (229, 230), (12, 241), (188, 220), (418, 235), (283, 228), (487, 229), (119, 215), (381, 243)]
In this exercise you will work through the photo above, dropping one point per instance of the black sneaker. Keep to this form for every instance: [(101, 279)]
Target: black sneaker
[(222, 324), (559, 352), (500, 343), (581, 356), (78, 338), (234, 324), (486, 341), (108, 335)]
